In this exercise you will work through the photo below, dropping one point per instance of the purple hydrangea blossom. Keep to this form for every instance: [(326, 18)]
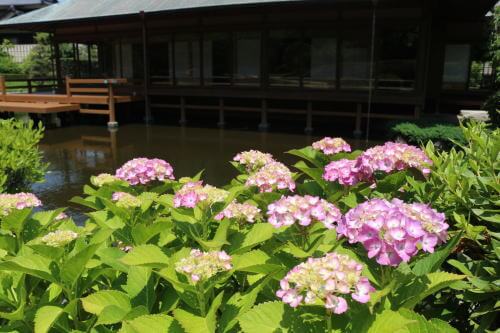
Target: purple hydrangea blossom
[(330, 146), (304, 210), (274, 175), (328, 279), (10, 202), (393, 231), (144, 171)]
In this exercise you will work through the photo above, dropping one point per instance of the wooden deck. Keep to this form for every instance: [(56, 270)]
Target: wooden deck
[(87, 96), (42, 108)]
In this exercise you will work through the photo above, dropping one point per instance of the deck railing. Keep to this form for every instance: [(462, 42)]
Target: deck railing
[(23, 84)]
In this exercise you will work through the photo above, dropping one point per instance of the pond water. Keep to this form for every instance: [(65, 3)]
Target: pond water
[(76, 153)]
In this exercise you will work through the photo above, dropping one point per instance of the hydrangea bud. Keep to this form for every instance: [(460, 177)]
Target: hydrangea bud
[(126, 200), (243, 213), (272, 176), (201, 266), (144, 171), (10, 202), (327, 280), (253, 160), (304, 210), (393, 231), (330, 146), (61, 216), (193, 193), (103, 179), (59, 238)]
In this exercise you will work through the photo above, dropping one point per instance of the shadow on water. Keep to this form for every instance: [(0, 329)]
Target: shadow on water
[(77, 153)]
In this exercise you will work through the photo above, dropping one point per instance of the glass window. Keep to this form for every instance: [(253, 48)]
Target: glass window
[(456, 66), (396, 67), (217, 59), (247, 62), (320, 60), (285, 48), (187, 60), (160, 61), (355, 64)]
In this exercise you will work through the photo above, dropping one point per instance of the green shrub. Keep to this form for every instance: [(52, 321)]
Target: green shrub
[(124, 270), (420, 133), (21, 162), (465, 185)]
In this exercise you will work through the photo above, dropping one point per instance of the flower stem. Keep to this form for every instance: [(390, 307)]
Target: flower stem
[(328, 319), (201, 301)]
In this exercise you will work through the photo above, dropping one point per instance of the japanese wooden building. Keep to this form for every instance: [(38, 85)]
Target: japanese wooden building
[(354, 58)]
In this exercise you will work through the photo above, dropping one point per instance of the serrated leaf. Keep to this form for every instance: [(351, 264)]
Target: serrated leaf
[(239, 304), (151, 323), (96, 302), (410, 295), (75, 266), (422, 325), (32, 264), (45, 318), (258, 233), (432, 262), (389, 321), (145, 255)]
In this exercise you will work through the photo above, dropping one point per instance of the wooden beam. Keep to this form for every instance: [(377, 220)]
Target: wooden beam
[(146, 78)]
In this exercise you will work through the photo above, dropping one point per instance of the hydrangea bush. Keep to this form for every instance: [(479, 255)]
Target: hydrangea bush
[(330, 244)]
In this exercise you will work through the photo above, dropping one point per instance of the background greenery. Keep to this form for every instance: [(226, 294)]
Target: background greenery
[(21, 162)]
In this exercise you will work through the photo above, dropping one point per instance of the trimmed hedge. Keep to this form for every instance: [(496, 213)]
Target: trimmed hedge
[(446, 135)]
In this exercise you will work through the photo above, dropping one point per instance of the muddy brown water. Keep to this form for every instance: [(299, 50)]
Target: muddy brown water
[(76, 153)]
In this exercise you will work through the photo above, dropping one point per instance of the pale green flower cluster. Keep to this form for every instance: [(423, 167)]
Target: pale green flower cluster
[(103, 179), (59, 238), (201, 266), (126, 200)]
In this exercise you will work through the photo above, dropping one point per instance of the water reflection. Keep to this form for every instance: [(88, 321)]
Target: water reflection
[(76, 153)]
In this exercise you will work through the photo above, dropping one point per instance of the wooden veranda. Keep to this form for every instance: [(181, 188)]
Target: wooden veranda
[(86, 96)]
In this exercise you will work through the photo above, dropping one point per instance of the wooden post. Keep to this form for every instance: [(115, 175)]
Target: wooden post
[(359, 115), (418, 110), (309, 115), (89, 59), (112, 112), (30, 87), (57, 55), (183, 120), (68, 88), (2, 88), (147, 118), (264, 125), (221, 122)]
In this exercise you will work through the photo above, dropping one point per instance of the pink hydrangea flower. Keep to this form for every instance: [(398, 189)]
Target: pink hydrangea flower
[(10, 202), (253, 160), (393, 231), (201, 266), (194, 192), (303, 210), (330, 146), (144, 171), (241, 212), (391, 157), (272, 176), (328, 279), (344, 171)]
